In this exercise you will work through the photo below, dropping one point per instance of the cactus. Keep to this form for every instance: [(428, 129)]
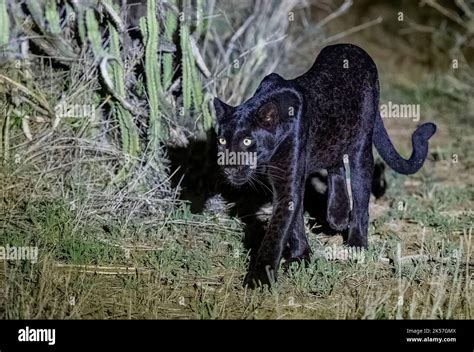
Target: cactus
[(142, 23), (199, 19), (207, 121), (34, 7), (49, 23), (93, 33), (171, 24), (152, 70), (52, 17), (192, 91), (185, 64), (81, 25), (196, 84), (63, 29), (128, 130), (4, 24), (192, 85)]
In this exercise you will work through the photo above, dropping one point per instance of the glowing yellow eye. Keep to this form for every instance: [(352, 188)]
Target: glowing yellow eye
[(247, 141), (222, 141)]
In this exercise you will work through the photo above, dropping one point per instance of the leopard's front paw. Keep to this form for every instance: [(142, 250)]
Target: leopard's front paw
[(304, 259), (259, 277), (338, 216), (357, 238)]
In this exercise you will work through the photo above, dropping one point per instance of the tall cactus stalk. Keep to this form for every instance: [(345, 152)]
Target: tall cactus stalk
[(186, 69), (4, 24), (52, 17), (196, 84), (93, 33), (199, 19), (208, 120), (81, 23), (150, 30), (46, 16), (193, 100), (171, 24), (128, 130), (36, 12)]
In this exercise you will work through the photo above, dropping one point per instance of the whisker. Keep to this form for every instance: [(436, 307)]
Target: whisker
[(276, 168), (252, 184), (280, 177), (264, 185)]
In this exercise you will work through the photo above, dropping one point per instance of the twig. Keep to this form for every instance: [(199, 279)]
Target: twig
[(217, 39), (341, 10), (248, 51), (197, 56), (353, 30), (103, 270), (166, 47), (417, 27), (25, 126), (467, 11), (25, 90), (444, 11), (260, 46), (237, 34)]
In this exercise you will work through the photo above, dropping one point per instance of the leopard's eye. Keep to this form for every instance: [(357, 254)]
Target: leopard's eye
[(222, 141), (247, 141)]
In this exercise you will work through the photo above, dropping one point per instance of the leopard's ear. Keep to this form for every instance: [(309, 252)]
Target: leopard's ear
[(268, 115), (282, 108), (222, 109)]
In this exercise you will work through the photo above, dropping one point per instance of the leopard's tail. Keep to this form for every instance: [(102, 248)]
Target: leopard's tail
[(388, 152)]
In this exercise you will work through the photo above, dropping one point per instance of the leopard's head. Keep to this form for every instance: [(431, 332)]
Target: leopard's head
[(249, 134)]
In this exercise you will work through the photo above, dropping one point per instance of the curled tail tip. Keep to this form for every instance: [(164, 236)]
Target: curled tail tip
[(427, 130), (420, 148), (432, 128)]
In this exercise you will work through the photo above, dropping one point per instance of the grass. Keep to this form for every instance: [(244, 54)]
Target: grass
[(203, 280)]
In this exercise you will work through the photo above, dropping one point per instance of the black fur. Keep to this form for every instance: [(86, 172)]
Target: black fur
[(298, 127)]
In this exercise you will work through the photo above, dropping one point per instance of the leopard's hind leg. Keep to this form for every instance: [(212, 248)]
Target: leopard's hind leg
[(338, 203)]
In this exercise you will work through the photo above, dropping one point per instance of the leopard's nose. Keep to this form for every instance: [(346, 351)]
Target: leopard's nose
[(230, 171)]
